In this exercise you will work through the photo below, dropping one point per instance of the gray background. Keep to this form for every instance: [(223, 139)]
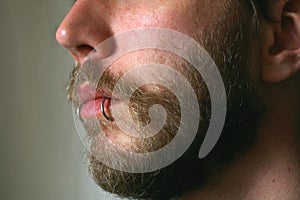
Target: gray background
[(41, 157)]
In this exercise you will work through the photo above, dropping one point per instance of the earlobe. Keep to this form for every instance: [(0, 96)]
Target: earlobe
[(281, 40)]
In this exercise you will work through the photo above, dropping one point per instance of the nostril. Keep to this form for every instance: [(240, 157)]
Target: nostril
[(84, 50), (81, 52)]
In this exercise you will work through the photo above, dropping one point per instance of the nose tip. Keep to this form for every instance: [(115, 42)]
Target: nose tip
[(61, 34), (77, 47), (69, 38), (81, 32)]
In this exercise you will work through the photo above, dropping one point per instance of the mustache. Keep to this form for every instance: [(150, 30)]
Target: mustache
[(140, 102), (71, 81), (89, 71)]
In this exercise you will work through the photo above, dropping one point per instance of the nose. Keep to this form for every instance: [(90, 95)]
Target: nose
[(83, 29)]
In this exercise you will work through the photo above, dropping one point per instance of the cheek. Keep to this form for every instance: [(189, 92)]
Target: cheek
[(184, 17)]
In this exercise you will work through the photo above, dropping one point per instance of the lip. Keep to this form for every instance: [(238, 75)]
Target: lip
[(92, 109), (86, 92), (91, 100)]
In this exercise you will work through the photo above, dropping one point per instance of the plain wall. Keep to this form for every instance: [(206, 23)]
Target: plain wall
[(42, 157)]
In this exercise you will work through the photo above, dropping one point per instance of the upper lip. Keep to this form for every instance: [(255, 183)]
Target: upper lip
[(86, 92)]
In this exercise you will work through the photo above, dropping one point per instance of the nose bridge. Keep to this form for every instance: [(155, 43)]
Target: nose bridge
[(83, 28)]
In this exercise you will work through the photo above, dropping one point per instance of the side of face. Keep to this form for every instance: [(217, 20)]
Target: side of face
[(90, 22), (228, 30)]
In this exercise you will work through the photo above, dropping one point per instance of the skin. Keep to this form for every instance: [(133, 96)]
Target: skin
[(270, 169), (85, 26)]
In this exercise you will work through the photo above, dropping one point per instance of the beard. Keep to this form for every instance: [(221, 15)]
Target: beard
[(228, 42)]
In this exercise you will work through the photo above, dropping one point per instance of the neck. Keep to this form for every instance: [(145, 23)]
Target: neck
[(270, 169)]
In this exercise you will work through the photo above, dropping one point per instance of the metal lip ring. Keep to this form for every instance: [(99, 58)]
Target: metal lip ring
[(78, 112), (103, 109)]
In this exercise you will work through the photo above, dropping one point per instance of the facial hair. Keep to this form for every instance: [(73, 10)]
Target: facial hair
[(228, 43)]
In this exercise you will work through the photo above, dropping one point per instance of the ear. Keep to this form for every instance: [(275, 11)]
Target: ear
[(281, 40)]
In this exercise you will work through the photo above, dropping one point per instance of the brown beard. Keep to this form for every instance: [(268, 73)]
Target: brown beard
[(229, 46)]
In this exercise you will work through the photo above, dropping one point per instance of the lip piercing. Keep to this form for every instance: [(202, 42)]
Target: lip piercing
[(78, 112), (103, 109)]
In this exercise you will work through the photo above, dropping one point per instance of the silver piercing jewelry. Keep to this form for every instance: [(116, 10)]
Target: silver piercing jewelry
[(78, 113), (103, 109)]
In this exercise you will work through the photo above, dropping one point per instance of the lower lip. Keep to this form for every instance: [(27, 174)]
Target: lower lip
[(92, 109)]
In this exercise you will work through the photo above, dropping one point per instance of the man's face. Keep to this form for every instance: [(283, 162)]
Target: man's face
[(226, 29)]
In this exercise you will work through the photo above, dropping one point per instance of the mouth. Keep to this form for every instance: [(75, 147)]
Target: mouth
[(95, 108), (94, 103)]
